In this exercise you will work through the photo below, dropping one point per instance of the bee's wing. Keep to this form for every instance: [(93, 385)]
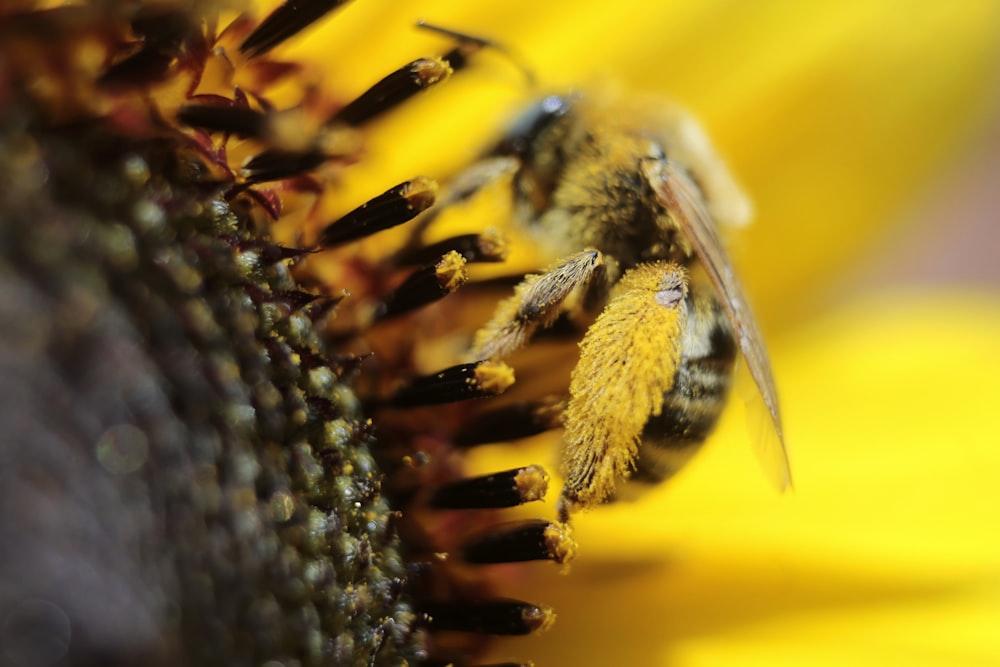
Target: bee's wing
[(679, 194)]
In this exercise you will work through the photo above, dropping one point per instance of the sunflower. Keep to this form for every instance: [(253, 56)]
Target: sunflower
[(835, 119)]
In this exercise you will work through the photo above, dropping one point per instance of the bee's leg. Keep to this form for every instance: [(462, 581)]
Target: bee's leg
[(463, 187), (479, 175), (537, 301), (628, 361)]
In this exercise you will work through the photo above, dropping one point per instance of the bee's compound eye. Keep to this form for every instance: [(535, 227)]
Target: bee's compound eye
[(532, 122)]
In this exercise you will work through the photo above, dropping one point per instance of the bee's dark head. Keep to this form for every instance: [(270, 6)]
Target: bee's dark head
[(532, 129)]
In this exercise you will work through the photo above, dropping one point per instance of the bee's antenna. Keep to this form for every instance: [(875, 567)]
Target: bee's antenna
[(470, 44)]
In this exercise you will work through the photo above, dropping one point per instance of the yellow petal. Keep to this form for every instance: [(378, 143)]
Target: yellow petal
[(886, 553)]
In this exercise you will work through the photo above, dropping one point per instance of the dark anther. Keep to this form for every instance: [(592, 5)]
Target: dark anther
[(490, 246), (425, 286), (502, 489), (457, 383), (285, 21), (511, 422), (393, 90), (393, 207), (520, 541)]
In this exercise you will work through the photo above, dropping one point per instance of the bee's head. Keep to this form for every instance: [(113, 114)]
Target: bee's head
[(533, 126)]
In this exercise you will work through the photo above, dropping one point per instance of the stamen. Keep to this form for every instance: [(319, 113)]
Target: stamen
[(490, 246), (471, 41), (162, 31), (285, 21), (295, 149), (469, 44), (457, 383), (275, 165), (241, 121), (512, 422), (491, 617), (389, 209), (148, 65), (415, 77), (393, 90), (533, 539), (503, 489), (425, 286)]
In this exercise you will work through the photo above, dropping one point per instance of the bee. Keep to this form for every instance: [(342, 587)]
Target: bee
[(626, 199)]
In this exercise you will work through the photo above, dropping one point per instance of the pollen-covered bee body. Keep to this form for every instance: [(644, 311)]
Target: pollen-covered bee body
[(625, 199), (701, 385)]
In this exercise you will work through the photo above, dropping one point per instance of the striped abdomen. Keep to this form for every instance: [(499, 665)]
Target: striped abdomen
[(692, 408)]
